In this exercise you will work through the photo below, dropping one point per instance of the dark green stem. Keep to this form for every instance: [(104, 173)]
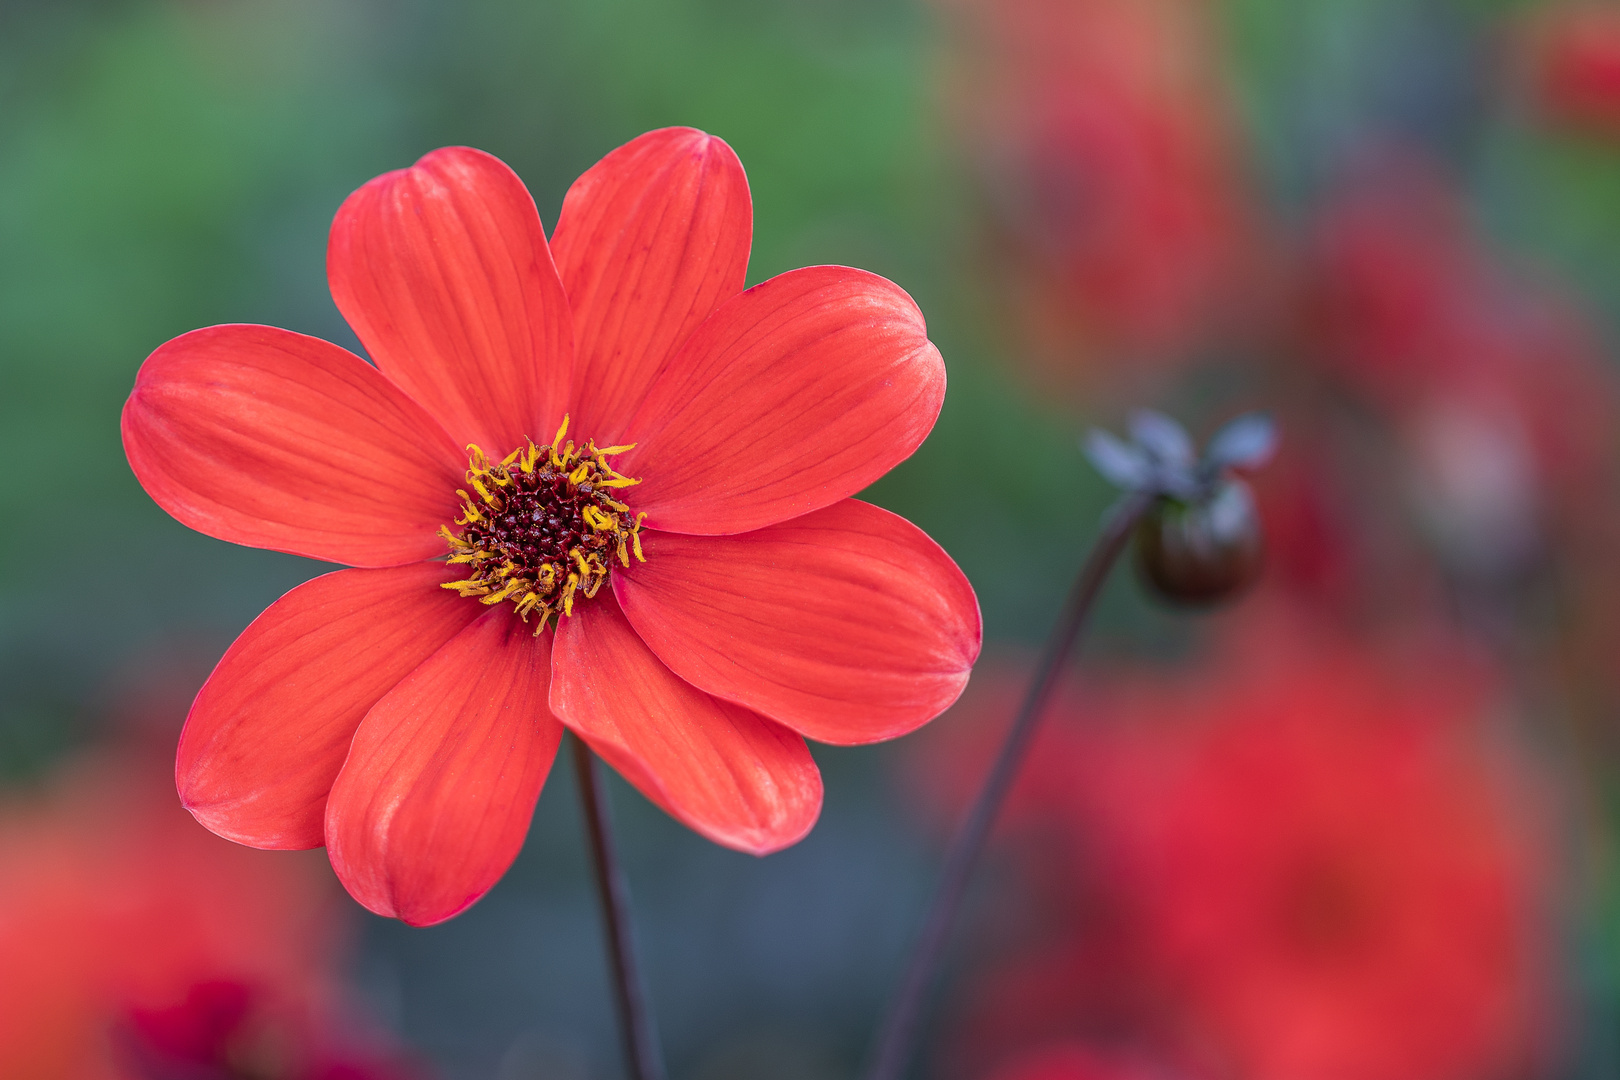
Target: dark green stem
[(635, 1014), (896, 1043)]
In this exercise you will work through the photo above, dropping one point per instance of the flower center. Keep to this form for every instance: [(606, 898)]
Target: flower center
[(542, 526)]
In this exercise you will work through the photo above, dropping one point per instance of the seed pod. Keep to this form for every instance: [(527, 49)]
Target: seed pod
[(1202, 551)]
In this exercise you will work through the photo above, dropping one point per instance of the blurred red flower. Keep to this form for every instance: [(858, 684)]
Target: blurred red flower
[(410, 729), (1099, 130), (1294, 861), (1573, 51), (1076, 1061), (135, 945), (1494, 383)]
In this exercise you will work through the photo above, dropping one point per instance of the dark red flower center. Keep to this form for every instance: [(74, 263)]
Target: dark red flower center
[(542, 526)]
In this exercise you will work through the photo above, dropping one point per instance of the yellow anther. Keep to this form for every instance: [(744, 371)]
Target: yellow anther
[(522, 564), (506, 590)]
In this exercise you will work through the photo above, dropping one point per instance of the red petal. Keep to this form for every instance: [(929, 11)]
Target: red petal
[(792, 396), (435, 798), (848, 625), (650, 241), (269, 730), (268, 438), (443, 271), (727, 773)]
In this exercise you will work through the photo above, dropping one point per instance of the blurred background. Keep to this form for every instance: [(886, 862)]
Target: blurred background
[(1359, 826)]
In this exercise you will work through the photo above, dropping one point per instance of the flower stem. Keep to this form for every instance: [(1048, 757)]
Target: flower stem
[(635, 1014), (896, 1043)]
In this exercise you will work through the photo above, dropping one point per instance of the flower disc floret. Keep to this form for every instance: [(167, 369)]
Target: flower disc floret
[(541, 526)]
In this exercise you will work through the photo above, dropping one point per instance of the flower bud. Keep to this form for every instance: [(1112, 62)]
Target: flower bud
[(1203, 550)]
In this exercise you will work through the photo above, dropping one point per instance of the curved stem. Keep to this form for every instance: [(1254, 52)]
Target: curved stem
[(897, 1038), (635, 1014)]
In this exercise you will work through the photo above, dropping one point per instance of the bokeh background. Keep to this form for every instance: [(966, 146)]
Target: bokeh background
[(1359, 826)]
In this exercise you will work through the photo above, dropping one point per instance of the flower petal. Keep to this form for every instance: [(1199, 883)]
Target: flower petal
[(794, 395), (725, 772), (435, 798), (443, 271), (271, 726), (272, 439), (848, 625), (650, 241)]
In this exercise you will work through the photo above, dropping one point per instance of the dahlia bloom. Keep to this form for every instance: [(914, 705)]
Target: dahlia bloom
[(1299, 860), (1408, 305), (1078, 1061), (135, 945), (1101, 132), (678, 575), (1494, 381), (1573, 54)]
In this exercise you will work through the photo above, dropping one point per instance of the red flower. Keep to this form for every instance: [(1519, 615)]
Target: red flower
[(1297, 861), (1077, 1061), (1495, 383), (1107, 157), (1574, 59), (135, 945), (406, 713)]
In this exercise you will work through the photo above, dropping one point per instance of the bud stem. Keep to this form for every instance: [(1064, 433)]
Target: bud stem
[(896, 1042)]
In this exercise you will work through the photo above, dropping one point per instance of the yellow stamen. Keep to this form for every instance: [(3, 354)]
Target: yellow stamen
[(509, 530)]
